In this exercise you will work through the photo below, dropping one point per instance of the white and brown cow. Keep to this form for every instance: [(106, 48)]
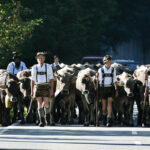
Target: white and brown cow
[(86, 91)]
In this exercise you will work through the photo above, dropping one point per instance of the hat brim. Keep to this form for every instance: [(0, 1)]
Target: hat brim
[(39, 55)]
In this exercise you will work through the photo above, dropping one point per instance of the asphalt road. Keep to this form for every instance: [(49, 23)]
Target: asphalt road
[(74, 138)]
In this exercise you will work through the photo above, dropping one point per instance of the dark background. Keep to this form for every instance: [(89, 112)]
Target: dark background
[(70, 29)]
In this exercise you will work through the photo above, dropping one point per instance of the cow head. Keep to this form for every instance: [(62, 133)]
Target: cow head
[(12, 89), (127, 81), (63, 83), (88, 86), (25, 87)]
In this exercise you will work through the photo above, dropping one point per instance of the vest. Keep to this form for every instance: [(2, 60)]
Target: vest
[(107, 75), (41, 73)]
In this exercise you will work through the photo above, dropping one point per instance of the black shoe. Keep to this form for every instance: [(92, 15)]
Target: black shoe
[(109, 122), (47, 119), (42, 122)]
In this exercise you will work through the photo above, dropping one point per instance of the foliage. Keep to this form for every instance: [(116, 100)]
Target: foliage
[(14, 31), (70, 29)]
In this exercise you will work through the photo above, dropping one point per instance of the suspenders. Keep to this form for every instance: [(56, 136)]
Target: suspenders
[(14, 68), (41, 73), (107, 75)]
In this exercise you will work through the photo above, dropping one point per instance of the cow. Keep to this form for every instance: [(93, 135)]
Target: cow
[(140, 75), (86, 91), (121, 68), (65, 94), (25, 88), (123, 104), (10, 84)]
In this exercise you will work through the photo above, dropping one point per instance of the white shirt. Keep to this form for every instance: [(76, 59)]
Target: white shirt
[(41, 78), (12, 69), (54, 65), (107, 80)]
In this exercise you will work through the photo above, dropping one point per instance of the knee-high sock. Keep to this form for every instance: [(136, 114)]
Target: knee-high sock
[(41, 113)]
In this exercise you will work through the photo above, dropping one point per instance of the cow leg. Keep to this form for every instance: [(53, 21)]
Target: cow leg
[(63, 112), (139, 122), (52, 103), (72, 110), (92, 114), (131, 113), (15, 112), (20, 109), (86, 112), (7, 120)]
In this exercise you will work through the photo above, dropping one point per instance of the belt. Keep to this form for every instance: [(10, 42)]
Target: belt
[(42, 83), (109, 85)]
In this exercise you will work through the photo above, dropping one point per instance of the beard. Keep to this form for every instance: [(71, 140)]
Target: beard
[(17, 65)]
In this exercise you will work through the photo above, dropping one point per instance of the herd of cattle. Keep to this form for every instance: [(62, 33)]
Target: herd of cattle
[(76, 96)]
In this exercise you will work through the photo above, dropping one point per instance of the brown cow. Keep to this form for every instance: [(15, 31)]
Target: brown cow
[(10, 84), (65, 93)]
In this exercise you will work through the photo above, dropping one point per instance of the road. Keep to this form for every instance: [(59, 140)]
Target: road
[(74, 138)]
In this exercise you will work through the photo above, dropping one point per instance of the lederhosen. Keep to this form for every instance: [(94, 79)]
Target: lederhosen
[(107, 91), (42, 89)]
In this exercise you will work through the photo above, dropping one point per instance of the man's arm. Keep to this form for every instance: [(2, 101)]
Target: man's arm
[(10, 68)]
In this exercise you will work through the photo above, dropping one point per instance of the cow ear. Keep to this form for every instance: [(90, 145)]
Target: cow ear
[(92, 73)]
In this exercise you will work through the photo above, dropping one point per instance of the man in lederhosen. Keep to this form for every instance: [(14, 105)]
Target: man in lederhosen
[(42, 87), (108, 88), (16, 65)]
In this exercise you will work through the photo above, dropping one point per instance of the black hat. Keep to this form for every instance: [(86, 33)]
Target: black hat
[(107, 58), (15, 55)]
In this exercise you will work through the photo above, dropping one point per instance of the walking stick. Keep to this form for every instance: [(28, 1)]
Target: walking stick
[(97, 124), (144, 107), (145, 98)]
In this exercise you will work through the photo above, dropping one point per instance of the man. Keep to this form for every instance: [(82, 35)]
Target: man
[(42, 87), (56, 61), (16, 65), (55, 65), (108, 88)]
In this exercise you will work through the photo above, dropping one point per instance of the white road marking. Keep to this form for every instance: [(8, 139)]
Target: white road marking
[(137, 143), (7, 128)]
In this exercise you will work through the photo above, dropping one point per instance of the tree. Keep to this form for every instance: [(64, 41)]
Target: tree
[(14, 30)]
